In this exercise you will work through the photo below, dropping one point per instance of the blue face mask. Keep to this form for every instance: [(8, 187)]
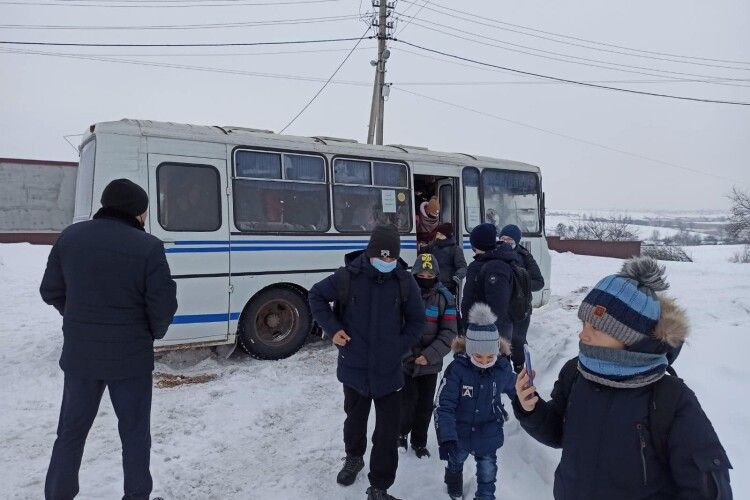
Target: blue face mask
[(383, 266)]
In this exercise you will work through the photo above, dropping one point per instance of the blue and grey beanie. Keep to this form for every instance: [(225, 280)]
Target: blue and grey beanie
[(481, 333), (627, 306)]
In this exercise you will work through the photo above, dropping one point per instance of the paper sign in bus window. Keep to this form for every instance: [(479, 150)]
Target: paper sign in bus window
[(388, 200)]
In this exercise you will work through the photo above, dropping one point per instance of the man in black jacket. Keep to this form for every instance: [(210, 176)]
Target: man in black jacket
[(511, 234), (110, 281)]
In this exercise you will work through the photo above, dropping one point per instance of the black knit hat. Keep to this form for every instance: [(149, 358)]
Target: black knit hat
[(484, 237), (126, 196), (384, 242)]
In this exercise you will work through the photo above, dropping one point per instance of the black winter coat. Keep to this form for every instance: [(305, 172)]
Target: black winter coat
[(495, 289), (537, 280), (382, 330), (111, 282), (608, 452), (450, 259)]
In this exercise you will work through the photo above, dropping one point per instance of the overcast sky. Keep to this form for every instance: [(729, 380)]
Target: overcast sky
[(43, 98)]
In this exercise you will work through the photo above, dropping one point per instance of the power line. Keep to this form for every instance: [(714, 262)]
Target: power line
[(662, 79), (320, 91), (436, 5), (166, 4), (412, 17), (236, 44), (575, 59), (273, 22), (217, 54), (185, 67), (565, 136), (577, 82)]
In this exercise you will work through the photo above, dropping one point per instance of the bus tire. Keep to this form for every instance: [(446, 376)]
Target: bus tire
[(275, 324)]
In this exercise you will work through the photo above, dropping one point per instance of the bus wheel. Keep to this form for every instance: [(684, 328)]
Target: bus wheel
[(275, 324)]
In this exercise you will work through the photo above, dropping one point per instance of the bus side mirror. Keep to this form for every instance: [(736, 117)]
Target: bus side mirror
[(543, 212)]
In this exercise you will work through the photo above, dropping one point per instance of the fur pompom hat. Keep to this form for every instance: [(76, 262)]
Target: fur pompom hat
[(631, 307), (481, 333)]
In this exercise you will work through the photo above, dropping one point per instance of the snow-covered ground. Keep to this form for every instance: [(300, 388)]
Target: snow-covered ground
[(272, 430)]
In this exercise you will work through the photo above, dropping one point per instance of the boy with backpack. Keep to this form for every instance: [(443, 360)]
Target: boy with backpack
[(425, 361), (497, 277), (378, 317), (627, 428), (469, 415)]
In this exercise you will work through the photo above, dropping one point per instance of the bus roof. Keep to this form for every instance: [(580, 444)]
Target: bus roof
[(243, 136)]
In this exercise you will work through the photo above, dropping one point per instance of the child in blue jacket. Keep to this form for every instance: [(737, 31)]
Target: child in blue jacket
[(469, 415)]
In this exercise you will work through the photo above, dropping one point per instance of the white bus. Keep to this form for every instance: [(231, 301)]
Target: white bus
[(250, 219)]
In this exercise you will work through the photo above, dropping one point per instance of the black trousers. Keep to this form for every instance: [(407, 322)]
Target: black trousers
[(131, 399), (384, 454), (518, 341), (416, 407)]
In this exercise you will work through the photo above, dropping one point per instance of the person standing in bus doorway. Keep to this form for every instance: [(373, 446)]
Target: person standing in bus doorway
[(425, 361), (378, 316), (511, 234), (110, 281), (489, 276), (427, 220)]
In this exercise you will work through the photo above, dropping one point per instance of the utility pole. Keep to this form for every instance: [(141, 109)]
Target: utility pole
[(380, 89)]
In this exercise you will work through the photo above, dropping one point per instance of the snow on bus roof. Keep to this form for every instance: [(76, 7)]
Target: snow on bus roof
[(243, 135)]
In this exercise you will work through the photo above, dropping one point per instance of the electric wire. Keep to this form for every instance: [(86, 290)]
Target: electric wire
[(577, 82), (562, 135), (323, 87), (165, 4), (435, 5), (218, 44), (412, 17)]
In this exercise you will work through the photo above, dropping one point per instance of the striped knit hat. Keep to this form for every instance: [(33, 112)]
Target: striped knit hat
[(626, 306), (481, 332)]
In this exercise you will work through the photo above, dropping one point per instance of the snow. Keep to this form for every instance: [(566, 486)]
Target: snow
[(272, 430)]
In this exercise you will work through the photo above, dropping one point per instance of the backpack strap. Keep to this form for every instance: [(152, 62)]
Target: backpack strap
[(568, 376), (404, 285), (342, 276), (665, 397), (450, 299), (479, 281)]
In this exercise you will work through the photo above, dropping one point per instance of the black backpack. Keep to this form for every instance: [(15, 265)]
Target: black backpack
[(665, 396), (343, 278), (519, 307)]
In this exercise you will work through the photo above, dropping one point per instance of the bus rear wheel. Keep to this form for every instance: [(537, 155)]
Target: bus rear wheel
[(275, 324)]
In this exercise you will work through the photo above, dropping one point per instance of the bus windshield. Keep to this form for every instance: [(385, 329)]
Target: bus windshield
[(511, 197)]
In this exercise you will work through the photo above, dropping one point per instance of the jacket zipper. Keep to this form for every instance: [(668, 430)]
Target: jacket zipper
[(643, 452)]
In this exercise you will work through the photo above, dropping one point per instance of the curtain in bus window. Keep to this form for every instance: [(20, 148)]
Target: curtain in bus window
[(389, 174), (269, 206), (352, 172), (472, 205), (304, 168), (360, 209), (188, 197), (511, 198), (257, 165)]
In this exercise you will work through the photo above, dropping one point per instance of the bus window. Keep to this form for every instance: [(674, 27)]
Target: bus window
[(280, 192), (366, 194), (472, 203), (446, 203), (189, 198), (511, 197)]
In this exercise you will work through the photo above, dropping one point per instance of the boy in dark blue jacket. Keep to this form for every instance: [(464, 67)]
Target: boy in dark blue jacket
[(469, 415), (627, 429), (381, 321)]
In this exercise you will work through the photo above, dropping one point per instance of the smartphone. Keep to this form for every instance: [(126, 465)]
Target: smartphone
[(527, 364)]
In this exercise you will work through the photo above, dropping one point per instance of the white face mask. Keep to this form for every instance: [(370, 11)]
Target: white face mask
[(483, 366)]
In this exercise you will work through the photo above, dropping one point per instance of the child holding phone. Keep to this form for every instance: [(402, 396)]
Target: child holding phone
[(469, 415), (627, 428)]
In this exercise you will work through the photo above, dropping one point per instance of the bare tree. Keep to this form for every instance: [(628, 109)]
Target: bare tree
[(562, 230), (739, 219), (613, 230)]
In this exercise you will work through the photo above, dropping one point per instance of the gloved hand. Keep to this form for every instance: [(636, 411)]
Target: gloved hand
[(448, 449)]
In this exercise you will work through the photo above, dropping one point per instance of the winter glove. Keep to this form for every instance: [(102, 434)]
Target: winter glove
[(448, 449)]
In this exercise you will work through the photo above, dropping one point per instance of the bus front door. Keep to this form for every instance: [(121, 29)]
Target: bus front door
[(189, 213)]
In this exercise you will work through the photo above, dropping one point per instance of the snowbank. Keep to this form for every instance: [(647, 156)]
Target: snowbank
[(272, 430)]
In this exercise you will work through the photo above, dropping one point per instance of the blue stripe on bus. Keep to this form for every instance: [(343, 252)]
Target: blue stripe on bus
[(273, 248), (188, 319), (276, 242)]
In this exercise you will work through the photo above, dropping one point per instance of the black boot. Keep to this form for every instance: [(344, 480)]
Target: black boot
[(376, 494), (421, 451), (455, 483), (348, 474), (402, 442)]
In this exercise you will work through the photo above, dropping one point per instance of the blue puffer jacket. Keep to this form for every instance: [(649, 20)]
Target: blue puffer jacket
[(608, 452), (496, 287), (469, 410), (382, 330)]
